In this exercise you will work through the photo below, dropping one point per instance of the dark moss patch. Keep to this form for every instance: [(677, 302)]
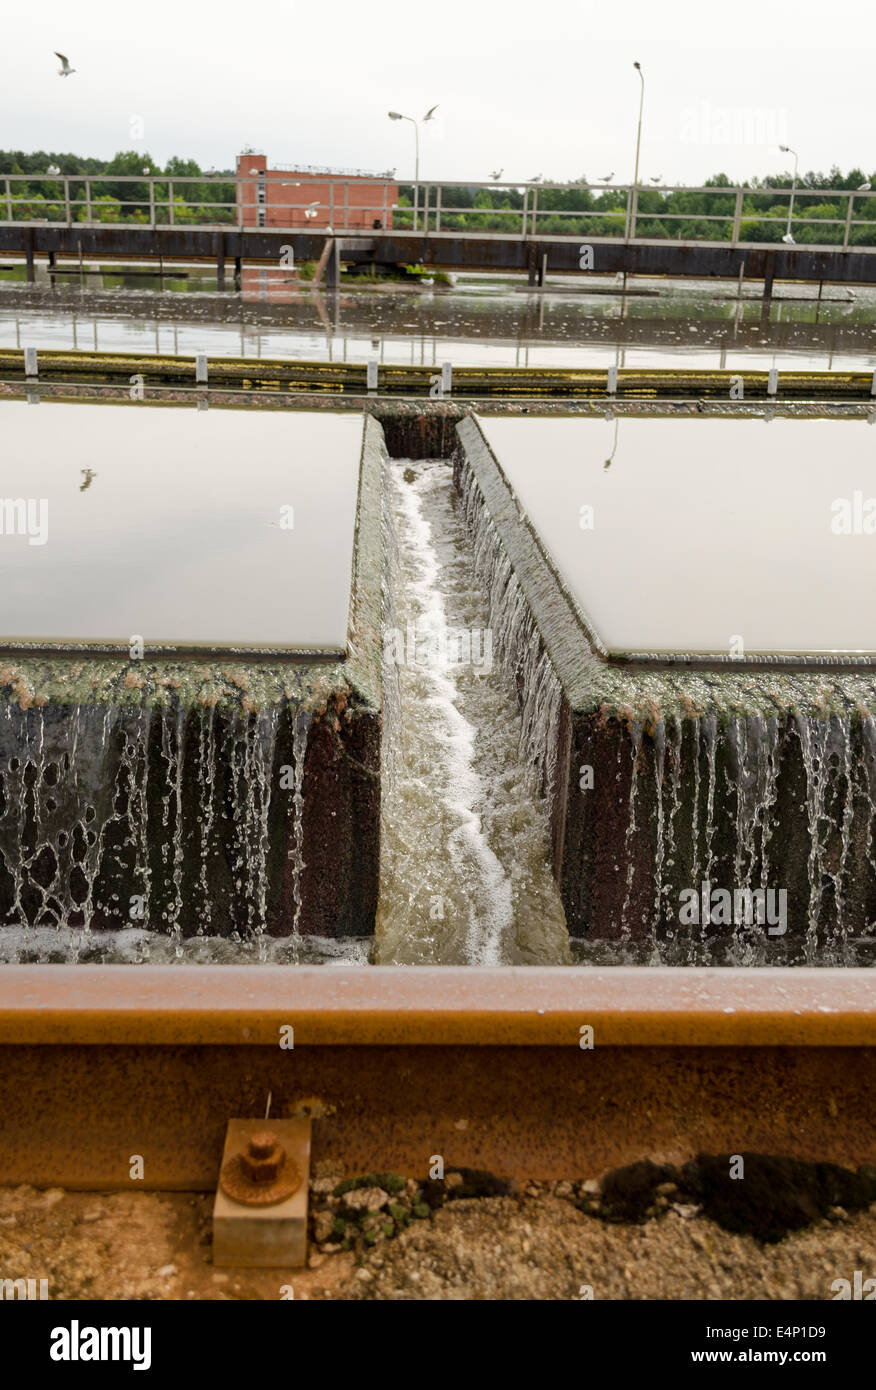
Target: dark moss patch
[(775, 1195), (629, 1193), (475, 1183)]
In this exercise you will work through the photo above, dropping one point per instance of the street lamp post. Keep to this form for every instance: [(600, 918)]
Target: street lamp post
[(638, 68), (787, 238), (634, 197), (397, 116)]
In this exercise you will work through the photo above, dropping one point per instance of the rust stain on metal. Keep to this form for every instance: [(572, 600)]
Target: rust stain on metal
[(540, 1112)]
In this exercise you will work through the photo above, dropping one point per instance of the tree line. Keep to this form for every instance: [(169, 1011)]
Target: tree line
[(42, 195)]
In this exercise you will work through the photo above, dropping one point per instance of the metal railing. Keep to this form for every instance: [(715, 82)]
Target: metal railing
[(605, 211)]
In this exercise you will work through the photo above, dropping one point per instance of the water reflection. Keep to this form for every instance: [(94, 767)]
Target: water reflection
[(713, 535), (482, 321)]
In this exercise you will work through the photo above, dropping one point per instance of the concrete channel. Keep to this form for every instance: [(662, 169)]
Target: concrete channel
[(495, 1068)]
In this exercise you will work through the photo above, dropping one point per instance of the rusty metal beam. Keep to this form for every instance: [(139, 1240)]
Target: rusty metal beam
[(429, 1006), (483, 1066)]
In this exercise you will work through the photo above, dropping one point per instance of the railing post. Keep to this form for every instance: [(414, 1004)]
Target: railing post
[(152, 202), (438, 208), (534, 208), (525, 209), (426, 210), (627, 214), (88, 200), (848, 222), (8, 201), (737, 216), (331, 205), (634, 212), (346, 205), (170, 201), (67, 215)]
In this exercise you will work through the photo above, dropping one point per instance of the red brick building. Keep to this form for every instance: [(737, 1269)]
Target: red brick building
[(312, 198)]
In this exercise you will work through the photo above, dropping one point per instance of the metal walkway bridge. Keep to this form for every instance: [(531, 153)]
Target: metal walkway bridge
[(597, 229)]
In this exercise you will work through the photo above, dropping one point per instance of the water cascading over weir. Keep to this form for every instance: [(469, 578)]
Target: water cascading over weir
[(213, 796), (697, 813), (724, 814)]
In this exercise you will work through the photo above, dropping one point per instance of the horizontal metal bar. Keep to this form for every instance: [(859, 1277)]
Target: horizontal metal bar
[(427, 1006), (281, 176), (650, 383)]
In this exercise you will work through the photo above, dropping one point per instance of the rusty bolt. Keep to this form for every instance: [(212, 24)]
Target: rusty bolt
[(264, 1157)]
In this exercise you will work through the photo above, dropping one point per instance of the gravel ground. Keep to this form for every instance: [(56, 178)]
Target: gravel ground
[(534, 1244)]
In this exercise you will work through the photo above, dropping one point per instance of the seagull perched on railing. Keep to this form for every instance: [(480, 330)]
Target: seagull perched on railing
[(53, 169), (608, 178), (536, 178), (65, 69), (496, 173), (865, 187)]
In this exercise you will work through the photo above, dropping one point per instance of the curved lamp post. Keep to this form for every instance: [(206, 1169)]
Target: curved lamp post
[(638, 67), (787, 238)]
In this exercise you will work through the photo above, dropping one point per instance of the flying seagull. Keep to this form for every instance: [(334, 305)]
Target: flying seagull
[(65, 69), (430, 114), (496, 173)]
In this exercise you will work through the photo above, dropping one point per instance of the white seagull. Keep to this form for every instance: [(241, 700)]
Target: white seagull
[(53, 169), (864, 187), (430, 114), (65, 69), (608, 178), (536, 178)]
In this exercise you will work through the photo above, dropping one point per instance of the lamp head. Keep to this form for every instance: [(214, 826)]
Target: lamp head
[(395, 115)]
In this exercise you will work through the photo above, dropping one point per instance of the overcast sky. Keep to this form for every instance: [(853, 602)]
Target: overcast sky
[(532, 89)]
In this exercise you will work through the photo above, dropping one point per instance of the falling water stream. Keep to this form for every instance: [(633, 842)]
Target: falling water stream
[(465, 877), (87, 876)]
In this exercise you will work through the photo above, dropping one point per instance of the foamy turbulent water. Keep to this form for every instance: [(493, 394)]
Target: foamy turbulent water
[(465, 877)]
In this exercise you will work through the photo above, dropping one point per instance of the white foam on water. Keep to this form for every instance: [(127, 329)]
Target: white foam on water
[(464, 873)]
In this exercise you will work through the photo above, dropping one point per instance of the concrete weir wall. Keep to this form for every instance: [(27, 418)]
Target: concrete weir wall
[(200, 796), (663, 779)]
